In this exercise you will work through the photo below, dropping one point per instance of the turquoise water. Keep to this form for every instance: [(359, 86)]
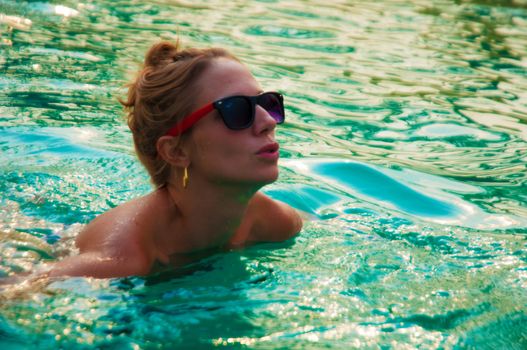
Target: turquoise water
[(406, 142)]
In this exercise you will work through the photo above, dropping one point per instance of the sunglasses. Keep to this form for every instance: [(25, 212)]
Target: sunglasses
[(237, 112)]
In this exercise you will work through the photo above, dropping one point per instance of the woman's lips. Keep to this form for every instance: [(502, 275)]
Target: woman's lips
[(269, 151)]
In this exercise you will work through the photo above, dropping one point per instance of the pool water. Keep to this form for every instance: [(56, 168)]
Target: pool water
[(405, 141)]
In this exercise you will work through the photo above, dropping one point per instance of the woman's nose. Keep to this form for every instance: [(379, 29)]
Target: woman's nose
[(263, 121)]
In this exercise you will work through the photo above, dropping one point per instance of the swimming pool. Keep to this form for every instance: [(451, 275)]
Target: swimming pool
[(406, 141)]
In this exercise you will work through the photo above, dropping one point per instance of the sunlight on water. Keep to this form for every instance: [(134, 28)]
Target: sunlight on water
[(405, 142)]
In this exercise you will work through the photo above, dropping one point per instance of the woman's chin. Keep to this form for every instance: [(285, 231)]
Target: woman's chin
[(263, 178), (270, 176), (251, 176)]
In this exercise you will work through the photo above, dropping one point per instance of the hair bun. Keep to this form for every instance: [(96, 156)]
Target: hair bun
[(162, 54)]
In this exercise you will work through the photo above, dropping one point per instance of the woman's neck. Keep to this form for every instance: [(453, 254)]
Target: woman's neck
[(204, 215)]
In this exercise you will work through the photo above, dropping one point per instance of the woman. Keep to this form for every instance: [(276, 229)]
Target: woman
[(205, 131)]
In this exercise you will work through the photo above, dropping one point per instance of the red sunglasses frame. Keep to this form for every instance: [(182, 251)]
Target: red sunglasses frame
[(195, 116), (190, 120)]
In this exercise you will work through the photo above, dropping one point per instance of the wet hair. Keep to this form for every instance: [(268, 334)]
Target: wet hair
[(163, 93)]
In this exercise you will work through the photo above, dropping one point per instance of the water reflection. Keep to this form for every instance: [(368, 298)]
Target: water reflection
[(405, 142), (410, 192)]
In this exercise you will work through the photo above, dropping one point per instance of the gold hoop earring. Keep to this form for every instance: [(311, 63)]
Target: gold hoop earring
[(185, 178)]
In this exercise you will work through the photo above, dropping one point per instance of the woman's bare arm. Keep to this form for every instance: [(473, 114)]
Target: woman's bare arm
[(96, 264)]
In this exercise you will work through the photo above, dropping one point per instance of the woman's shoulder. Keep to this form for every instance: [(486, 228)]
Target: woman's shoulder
[(272, 220), (116, 243), (120, 226)]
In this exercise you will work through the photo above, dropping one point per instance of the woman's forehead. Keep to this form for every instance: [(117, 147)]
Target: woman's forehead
[(226, 77)]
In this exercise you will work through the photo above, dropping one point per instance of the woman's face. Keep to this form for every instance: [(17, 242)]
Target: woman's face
[(228, 156)]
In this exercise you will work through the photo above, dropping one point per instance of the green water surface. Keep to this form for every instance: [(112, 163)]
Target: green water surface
[(405, 139)]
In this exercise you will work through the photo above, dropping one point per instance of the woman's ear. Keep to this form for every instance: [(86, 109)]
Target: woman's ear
[(173, 151)]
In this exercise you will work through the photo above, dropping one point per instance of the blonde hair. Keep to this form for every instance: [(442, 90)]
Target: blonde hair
[(163, 93)]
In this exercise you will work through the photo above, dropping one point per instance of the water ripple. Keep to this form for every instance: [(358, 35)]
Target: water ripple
[(405, 143)]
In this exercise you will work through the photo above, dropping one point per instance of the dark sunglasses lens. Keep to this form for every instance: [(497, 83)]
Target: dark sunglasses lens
[(236, 112), (273, 104)]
